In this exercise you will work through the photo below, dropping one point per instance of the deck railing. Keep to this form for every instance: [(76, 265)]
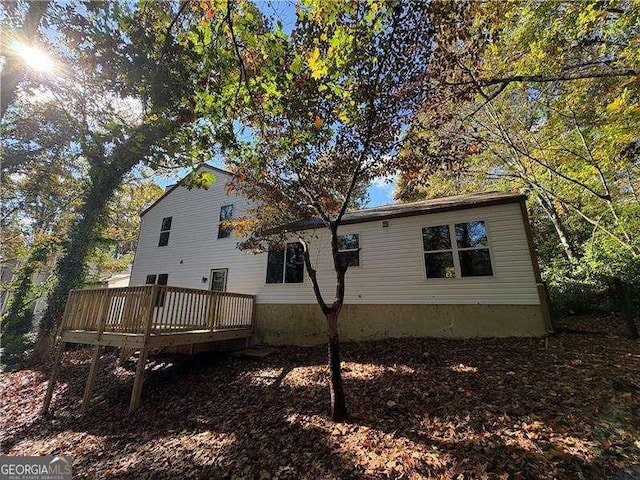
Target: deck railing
[(152, 309)]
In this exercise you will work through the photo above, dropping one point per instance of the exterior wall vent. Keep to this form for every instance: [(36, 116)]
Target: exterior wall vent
[(385, 223)]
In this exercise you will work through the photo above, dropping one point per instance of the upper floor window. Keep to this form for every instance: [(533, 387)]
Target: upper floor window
[(165, 229), (349, 245), (286, 265), (463, 254), (226, 214)]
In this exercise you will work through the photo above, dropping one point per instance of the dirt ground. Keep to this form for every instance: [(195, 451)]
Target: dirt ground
[(420, 408)]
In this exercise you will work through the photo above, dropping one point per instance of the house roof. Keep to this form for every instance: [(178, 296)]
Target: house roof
[(385, 212), (169, 190), (398, 210)]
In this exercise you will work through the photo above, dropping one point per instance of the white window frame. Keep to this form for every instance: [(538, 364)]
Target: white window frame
[(167, 231), (284, 269), (359, 249), (455, 249), (226, 278), (233, 207), (456, 266)]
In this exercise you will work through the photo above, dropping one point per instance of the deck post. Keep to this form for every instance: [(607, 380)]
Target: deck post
[(253, 322), (91, 379), (54, 377), (213, 305), (144, 351), (137, 383)]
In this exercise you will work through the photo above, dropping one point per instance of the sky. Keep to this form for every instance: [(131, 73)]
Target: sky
[(381, 189)]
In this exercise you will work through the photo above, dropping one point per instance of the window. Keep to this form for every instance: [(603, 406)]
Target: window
[(219, 280), (473, 249), (226, 213), (286, 265), (164, 231), (349, 245), (438, 254), (464, 255), (160, 279)]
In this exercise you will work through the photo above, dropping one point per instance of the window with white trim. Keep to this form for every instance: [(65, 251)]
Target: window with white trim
[(226, 214), (349, 245), (165, 229), (457, 250), (160, 279), (286, 265)]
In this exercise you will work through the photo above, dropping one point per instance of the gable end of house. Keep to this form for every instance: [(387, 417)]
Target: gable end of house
[(181, 181)]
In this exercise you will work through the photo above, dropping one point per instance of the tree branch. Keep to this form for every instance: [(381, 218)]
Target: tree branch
[(541, 78), (13, 71), (314, 277), (243, 71)]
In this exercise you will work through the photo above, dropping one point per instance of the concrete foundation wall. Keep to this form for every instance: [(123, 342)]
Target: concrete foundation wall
[(286, 324)]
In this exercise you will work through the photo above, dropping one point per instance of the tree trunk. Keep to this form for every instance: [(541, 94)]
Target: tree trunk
[(70, 269), (552, 213), (338, 403), (18, 320)]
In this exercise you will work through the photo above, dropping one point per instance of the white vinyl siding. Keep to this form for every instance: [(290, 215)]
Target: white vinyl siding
[(391, 271), (194, 249), (392, 267)]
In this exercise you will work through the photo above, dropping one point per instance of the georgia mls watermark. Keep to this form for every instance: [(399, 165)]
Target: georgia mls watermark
[(36, 468)]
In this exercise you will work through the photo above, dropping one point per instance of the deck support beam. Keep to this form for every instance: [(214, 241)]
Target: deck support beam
[(139, 379), (91, 379), (54, 377)]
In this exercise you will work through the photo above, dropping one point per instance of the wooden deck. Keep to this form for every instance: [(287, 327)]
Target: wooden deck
[(145, 318)]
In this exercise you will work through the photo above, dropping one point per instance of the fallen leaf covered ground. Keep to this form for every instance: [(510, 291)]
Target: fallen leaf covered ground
[(421, 408)]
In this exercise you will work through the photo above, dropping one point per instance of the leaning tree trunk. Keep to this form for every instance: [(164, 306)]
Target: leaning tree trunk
[(338, 403), (552, 213), (70, 269)]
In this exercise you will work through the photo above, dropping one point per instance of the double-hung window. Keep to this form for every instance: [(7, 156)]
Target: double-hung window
[(165, 229), (438, 252), (160, 279), (226, 213), (457, 250), (286, 265), (349, 245)]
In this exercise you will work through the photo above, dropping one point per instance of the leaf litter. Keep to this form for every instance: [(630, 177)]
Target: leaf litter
[(420, 408)]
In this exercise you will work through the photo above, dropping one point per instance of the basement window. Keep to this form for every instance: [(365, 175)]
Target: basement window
[(457, 250), (165, 229), (349, 245), (286, 265), (226, 214)]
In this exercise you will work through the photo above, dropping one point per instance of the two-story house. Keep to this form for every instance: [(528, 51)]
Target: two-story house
[(460, 266)]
